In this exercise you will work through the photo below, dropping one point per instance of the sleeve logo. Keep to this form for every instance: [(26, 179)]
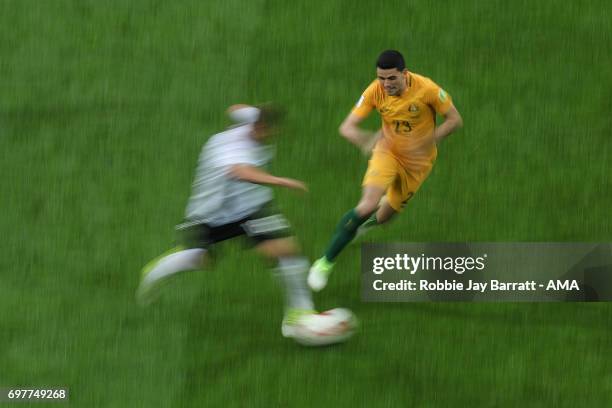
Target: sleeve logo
[(359, 102), (442, 95)]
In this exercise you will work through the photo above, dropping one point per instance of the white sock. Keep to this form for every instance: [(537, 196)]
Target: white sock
[(186, 260), (292, 272)]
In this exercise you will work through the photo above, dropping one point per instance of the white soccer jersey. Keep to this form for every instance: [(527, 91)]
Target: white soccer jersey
[(216, 197)]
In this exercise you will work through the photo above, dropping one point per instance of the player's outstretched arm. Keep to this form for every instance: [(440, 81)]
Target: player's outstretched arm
[(252, 174), (452, 122), (350, 130)]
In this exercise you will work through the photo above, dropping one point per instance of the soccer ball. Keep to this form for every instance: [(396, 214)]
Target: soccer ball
[(321, 329)]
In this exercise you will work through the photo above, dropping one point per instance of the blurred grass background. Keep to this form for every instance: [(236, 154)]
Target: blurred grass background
[(105, 105)]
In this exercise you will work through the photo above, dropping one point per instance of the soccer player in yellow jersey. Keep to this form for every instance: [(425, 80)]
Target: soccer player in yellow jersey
[(404, 150)]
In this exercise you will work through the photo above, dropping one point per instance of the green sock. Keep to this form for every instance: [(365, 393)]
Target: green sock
[(345, 232)]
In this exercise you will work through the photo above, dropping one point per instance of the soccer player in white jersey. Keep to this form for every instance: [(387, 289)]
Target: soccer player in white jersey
[(230, 198)]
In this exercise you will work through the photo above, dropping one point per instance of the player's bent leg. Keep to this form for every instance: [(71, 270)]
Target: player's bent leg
[(301, 322), (343, 235), (370, 200), (291, 271), (352, 220), (160, 270), (197, 237), (385, 213)]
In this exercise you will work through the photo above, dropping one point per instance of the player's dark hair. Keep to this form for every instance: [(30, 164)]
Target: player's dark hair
[(270, 114), (391, 59)]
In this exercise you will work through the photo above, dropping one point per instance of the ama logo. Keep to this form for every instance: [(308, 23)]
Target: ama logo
[(562, 285)]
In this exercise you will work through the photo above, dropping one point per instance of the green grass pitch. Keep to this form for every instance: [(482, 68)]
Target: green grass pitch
[(104, 107)]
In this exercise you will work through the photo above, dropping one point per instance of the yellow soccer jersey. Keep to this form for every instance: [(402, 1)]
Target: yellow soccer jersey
[(408, 120)]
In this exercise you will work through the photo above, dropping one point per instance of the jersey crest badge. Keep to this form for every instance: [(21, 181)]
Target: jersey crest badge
[(442, 95)]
